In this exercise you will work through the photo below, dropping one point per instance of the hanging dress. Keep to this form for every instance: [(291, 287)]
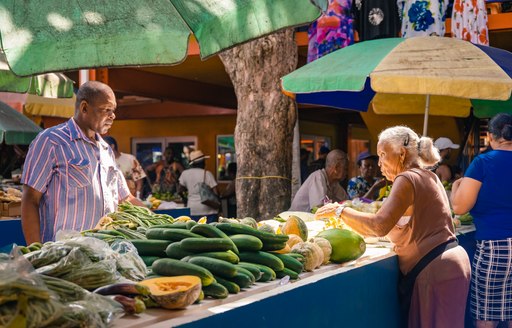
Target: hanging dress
[(332, 31), (469, 21), (422, 17)]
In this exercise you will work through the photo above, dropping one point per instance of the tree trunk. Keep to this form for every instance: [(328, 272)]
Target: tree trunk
[(265, 121)]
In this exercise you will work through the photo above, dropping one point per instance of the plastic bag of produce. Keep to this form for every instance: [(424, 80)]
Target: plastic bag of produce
[(74, 260), (129, 264), (25, 300)]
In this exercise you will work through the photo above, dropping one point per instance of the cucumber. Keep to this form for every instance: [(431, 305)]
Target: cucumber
[(287, 272), (267, 273), (227, 256), (175, 225), (298, 257), (247, 273), (217, 267), (175, 251), (211, 231), (215, 290), (242, 280), (265, 237), (206, 244), (290, 262), (170, 234), (153, 247), (148, 260), (172, 267), (264, 258), (267, 247), (251, 268), (190, 223), (246, 242), (232, 287)]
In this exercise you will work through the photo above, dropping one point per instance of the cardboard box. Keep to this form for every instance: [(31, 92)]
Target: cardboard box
[(10, 209)]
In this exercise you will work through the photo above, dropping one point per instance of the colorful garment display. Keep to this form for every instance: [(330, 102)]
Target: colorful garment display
[(469, 21), (374, 19), (422, 17), (332, 31)]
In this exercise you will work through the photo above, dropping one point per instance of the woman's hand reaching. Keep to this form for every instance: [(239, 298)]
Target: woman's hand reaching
[(327, 211)]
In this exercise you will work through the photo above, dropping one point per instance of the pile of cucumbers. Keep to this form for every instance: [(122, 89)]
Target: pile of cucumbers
[(227, 257)]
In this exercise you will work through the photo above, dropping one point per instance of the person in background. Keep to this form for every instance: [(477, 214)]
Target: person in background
[(485, 193), (130, 166), (323, 185), (190, 180), (230, 192), (366, 185), (304, 157), (167, 171), (70, 177), (416, 217), (319, 163), (445, 146)]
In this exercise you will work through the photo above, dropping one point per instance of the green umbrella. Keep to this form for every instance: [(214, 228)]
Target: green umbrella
[(49, 36), (15, 128), (49, 85)]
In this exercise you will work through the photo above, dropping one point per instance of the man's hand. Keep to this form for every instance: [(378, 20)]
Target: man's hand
[(326, 211)]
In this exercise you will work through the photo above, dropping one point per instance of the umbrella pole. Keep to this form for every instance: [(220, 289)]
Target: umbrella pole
[(425, 119)]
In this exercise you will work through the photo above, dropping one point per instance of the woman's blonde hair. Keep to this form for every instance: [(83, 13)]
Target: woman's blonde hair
[(419, 150)]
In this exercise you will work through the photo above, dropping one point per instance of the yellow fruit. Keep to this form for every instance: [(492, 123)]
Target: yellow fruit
[(183, 218)]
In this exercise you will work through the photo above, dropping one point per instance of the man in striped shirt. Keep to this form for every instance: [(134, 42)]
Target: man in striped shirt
[(70, 176)]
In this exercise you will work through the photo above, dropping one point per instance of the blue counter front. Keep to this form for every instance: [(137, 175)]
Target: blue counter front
[(10, 232)]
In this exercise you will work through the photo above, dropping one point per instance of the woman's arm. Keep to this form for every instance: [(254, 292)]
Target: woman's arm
[(380, 223), (464, 194)]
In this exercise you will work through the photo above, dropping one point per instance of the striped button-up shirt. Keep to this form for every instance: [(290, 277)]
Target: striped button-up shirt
[(78, 177)]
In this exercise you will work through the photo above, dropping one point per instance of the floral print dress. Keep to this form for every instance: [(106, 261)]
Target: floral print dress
[(332, 31), (469, 21), (422, 17)]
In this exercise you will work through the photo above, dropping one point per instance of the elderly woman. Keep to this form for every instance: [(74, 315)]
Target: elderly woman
[(416, 217), (485, 192)]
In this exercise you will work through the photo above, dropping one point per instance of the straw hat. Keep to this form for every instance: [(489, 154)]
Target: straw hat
[(197, 156)]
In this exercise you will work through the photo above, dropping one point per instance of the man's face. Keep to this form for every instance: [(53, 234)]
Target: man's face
[(100, 113), (445, 153), (341, 170), (368, 168)]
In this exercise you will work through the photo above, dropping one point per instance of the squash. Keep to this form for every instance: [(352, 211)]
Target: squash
[(285, 250), (295, 225), (174, 292), (267, 228), (312, 253), (293, 239), (326, 247)]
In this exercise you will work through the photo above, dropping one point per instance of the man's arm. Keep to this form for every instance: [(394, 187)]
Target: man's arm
[(30, 214), (134, 200)]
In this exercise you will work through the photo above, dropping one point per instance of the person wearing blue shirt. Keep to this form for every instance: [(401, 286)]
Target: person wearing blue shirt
[(485, 191)]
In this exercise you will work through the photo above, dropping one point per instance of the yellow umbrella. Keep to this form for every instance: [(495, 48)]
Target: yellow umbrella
[(422, 75)]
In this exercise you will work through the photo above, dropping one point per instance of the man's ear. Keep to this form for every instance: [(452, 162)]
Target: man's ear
[(83, 106)]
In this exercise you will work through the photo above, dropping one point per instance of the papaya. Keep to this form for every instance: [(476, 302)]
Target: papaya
[(346, 245)]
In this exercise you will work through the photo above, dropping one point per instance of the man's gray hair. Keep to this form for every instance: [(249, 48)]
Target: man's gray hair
[(335, 157)]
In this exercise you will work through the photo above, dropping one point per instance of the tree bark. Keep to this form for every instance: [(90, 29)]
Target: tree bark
[(265, 121)]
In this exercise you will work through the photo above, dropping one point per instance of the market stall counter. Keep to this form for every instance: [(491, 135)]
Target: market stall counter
[(360, 293)]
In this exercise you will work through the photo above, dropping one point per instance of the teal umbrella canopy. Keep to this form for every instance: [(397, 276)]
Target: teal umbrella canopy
[(41, 36), (49, 85), (15, 128)]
